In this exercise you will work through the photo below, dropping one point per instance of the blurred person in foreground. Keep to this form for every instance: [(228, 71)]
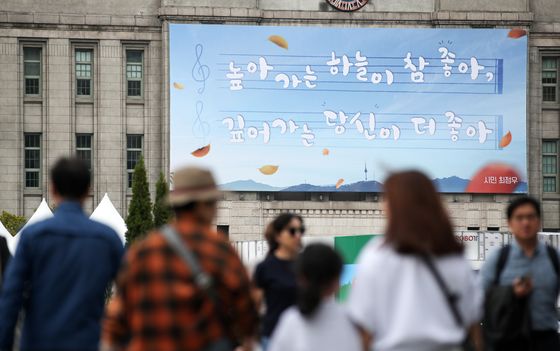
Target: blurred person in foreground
[(183, 287), (60, 271), (318, 322), (523, 277), (5, 257), (275, 278), (414, 290)]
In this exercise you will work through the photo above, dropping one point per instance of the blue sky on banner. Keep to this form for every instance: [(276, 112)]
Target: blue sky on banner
[(445, 117)]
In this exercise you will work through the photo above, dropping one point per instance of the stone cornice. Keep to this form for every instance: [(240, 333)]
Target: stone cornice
[(78, 21), (256, 16)]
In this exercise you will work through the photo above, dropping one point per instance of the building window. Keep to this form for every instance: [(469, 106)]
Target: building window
[(134, 72), (84, 72), (83, 148), (133, 154), (224, 230), (32, 70), (550, 78), (550, 166), (32, 160)]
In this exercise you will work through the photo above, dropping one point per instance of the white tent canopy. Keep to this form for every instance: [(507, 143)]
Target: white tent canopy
[(41, 213), (107, 214), (6, 234)]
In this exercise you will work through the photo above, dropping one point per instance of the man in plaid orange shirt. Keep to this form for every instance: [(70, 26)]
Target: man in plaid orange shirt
[(160, 306)]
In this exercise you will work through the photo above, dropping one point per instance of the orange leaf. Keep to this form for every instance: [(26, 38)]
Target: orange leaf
[(278, 40), (326, 152), (203, 151), (339, 183), (517, 33), (268, 169), (506, 139)]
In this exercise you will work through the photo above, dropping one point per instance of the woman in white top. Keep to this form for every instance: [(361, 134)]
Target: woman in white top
[(395, 296), (318, 322)]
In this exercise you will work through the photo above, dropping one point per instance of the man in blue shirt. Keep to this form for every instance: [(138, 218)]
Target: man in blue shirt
[(530, 271), (60, 272)]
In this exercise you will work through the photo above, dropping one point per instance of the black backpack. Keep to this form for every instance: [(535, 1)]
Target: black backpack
[(507, 318)]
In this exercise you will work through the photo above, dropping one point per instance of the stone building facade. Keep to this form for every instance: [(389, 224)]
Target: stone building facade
[(63, 68), (112, 29)]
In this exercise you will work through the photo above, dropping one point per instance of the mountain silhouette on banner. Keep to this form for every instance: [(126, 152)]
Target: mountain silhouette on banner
[(371, 186), (248, 185), (449, 184)]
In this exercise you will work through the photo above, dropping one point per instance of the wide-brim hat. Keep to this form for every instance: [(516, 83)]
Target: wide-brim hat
[(193, 184)]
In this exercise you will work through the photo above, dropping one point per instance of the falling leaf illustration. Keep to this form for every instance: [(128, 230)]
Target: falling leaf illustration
[(326, 152), (517, 33), (178, 86), (278, 40), (506, 139), (203, 151), (268, 169), (339, 183)]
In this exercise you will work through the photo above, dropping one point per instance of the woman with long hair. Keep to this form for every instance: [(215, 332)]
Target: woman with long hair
[(318, 322), (414, 290), (275, 278)]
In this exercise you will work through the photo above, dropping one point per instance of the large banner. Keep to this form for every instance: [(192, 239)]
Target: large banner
[(338, 109)]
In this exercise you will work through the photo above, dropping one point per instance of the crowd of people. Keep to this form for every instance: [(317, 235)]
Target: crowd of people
[(185, 288)]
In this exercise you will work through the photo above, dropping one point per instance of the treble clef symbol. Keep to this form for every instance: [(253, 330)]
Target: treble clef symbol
[(200, 72), (201, 128)]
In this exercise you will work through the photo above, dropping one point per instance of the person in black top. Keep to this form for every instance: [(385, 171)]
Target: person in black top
[(275, 277)]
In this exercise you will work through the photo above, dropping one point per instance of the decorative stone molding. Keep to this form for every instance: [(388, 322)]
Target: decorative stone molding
[(77, 20), (439, 18)]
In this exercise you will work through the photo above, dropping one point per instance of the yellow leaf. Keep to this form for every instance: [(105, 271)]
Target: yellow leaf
[(268, 169), (278, 40), (178, 86)]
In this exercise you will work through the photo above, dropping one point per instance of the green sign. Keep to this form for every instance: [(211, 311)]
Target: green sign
[(350, 248)]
